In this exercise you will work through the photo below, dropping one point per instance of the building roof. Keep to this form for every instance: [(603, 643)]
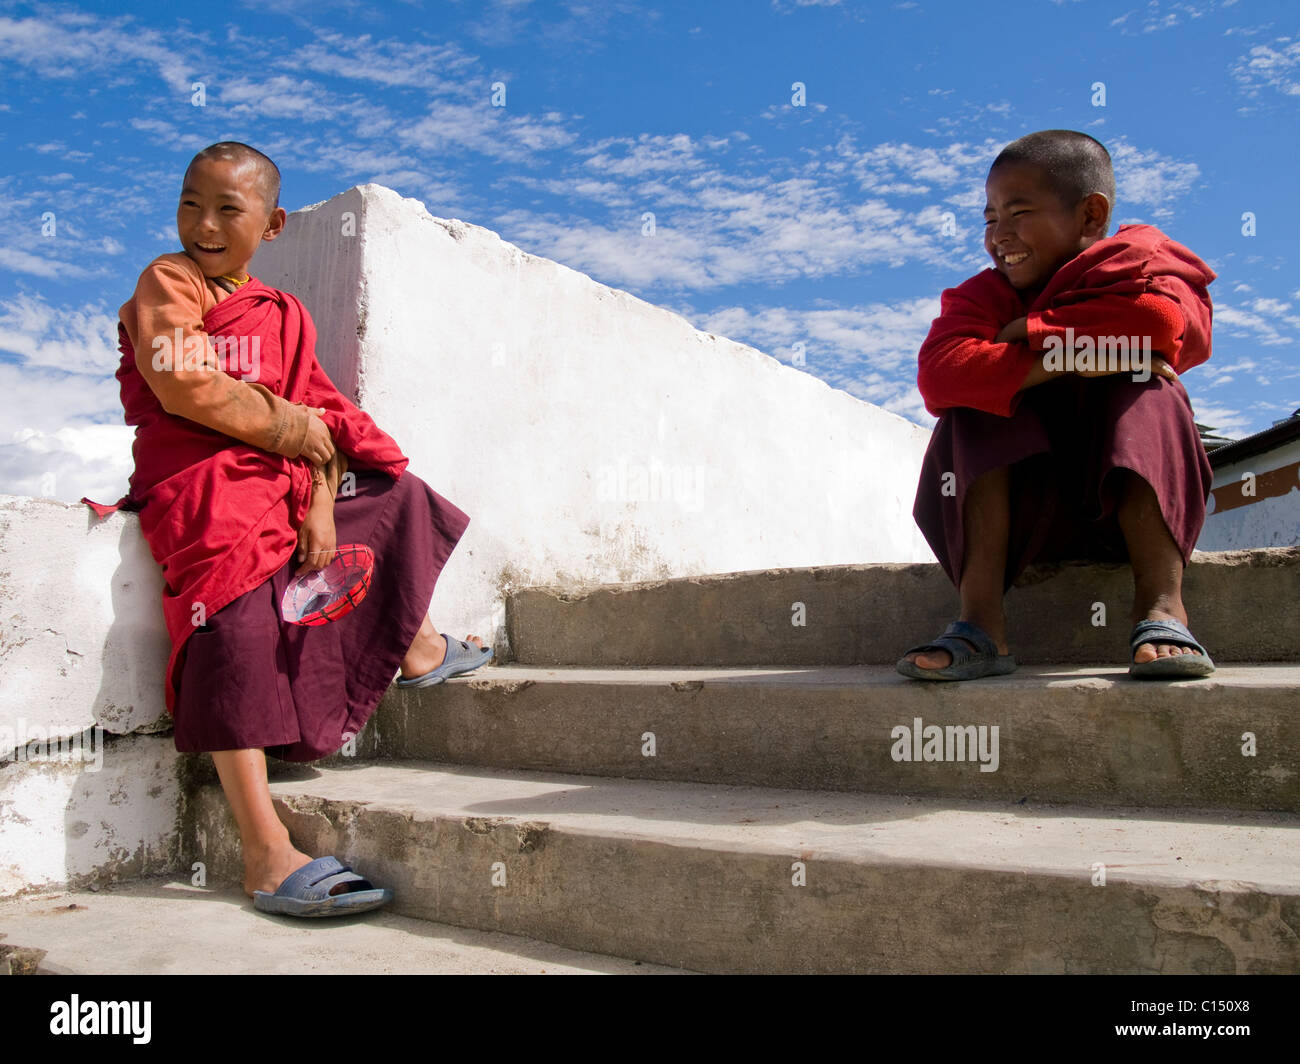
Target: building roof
[(1276, 435)]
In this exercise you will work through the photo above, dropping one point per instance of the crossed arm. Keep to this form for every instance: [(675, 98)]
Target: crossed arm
[(169, 307), (982, 353)]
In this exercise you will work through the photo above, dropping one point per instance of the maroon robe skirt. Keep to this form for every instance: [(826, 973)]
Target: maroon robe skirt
[(251, 680), (1062, 445)]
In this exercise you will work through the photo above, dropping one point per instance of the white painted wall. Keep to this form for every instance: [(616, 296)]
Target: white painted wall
[(65, 821), (82, 639), (1271, 522), (82, 645), (589, 435)]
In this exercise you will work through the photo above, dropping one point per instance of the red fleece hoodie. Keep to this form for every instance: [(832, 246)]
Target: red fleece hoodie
[(1135, 283)]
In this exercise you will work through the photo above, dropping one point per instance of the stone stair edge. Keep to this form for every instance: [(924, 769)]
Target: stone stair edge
[(1254, 558), (301, 778), (1056, 674)]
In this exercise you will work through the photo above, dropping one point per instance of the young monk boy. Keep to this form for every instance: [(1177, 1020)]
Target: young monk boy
[(240, 458), (1051, 443)]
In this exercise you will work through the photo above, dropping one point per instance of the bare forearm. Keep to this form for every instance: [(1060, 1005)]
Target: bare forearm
[(327, 479), (1039, 374)]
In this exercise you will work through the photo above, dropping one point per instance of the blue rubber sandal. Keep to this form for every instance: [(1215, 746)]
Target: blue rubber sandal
[(1174, 666), (306, 892), (461, 658), (966, 664)]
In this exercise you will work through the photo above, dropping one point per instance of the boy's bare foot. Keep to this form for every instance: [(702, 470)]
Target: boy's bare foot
[(428, 651), (1150, 651), (941, 659), (265, 869)]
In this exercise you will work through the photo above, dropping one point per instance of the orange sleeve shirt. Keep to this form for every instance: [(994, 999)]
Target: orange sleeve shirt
[(175, 357)]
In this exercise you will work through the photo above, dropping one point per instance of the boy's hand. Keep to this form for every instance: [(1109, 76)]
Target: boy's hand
[(319, 446), (1013, 330), (1159, 368), (317, 539)]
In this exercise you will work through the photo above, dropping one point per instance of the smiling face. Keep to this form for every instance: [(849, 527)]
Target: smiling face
[(1029, 232), (223, 216)]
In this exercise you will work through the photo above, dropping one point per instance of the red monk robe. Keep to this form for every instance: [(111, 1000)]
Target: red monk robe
[(1064, 438), (220, 515)]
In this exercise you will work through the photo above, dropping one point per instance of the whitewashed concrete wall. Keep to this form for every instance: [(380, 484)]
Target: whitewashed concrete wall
[(108, 810), (82, 652), (82, 638), (589, 435), (1262, 522)]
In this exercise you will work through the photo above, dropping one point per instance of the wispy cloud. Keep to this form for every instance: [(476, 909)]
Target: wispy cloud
[(1273, 66), (825, 225), (867, 350), (1267, 322), (1159, 15), (67, 44), (69, 339), (65, 463), (786, 6), (1225, 420), (581, 25), (56, 373), (442, 68), (1151, 179)]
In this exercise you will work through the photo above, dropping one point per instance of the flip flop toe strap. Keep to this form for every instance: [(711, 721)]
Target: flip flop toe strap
[(458, 651), (314, 881), (1173, 633), (952, 642), (461, 653)]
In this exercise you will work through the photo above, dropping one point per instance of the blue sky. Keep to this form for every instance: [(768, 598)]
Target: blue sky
[(776, 224)]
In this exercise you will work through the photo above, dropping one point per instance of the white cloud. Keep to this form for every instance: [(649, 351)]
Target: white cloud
[(1150, 178), (66, 44), (489, 131), (73, 340), (1159, 15), (1275, 66), (441, 68), (1263, 321), (646, 154), (565, 26), (93, 461), (868, 350), (17, 261), (65, 407), (1225, 420)]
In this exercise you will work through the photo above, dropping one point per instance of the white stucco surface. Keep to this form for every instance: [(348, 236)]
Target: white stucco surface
[(82, 639), (589, 435), (61, 821), (1264, 522)]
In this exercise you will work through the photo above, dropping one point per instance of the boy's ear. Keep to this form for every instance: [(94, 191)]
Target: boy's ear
[(1096, 215), (275, 224)]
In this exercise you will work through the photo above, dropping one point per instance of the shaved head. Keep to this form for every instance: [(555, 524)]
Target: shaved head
[(268, 174), (1073, 164)]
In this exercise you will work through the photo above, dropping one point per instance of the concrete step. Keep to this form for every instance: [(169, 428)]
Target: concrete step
[(728, 879), (1064, 734), (1244, 605), (168, 927)]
